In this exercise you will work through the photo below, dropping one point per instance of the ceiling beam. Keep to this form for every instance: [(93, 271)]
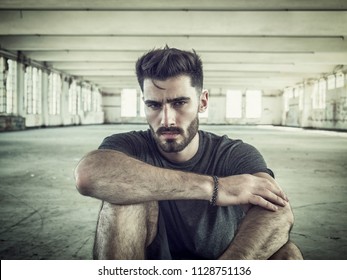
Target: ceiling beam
[(320, 23), (201, 5)]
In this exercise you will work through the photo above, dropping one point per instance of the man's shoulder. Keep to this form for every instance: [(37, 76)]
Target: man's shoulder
[(214, 138), (225, 145), (135, 134), (130, 138)]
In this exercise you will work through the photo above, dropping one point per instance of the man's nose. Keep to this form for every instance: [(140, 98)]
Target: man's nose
[(168, 116)]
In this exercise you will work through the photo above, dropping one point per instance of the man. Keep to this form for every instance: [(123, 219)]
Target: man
[(175, 192)]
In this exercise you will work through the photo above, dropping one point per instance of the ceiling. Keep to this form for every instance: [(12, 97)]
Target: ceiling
[(254, 44)]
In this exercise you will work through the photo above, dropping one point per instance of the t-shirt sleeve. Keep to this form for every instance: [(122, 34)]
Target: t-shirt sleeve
[(249, 160), (122, 142)]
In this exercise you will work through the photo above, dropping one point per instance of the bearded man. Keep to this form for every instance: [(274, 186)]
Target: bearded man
[(177, 192)]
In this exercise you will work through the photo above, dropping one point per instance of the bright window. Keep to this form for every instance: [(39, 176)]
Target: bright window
[(33, 90), (318, 95), (11, 87), (54, 93), (234, 104), (8, 86), (129, 103), (253, 104)]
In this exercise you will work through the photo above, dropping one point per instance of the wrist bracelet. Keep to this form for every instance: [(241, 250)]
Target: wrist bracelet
[(215, 191)]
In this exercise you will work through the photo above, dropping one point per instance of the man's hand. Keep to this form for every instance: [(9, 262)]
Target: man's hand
[(251, 189)]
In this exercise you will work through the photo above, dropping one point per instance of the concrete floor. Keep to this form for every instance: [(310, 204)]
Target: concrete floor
[(43, 216)]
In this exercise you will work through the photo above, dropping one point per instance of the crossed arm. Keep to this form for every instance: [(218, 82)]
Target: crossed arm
[(261, 233), (119, 179)]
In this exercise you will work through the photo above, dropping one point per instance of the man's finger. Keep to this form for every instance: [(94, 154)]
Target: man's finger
[(258, 200)]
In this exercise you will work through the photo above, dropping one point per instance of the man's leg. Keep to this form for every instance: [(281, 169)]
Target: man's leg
[(288, 251), (124, 231)]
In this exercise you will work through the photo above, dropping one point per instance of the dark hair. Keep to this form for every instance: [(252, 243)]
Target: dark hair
[(161, 64)]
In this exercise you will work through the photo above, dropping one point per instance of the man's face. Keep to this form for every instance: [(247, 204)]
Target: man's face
[(171, 108)]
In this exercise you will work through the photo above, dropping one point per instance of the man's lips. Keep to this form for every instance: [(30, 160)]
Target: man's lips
[(169, 133)]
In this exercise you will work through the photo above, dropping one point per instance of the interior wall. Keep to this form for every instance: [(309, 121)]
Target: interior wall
[(299, 111), (216, 105), (20, 118), (111, 105), (333, 115), (271, 109)]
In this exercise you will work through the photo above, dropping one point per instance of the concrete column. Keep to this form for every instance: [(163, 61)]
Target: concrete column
[(44, 98), (21, 110), (306, 117), (63, 106), (65, 115)]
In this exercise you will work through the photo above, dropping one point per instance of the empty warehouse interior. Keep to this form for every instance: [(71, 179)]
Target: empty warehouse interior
[(276, 73)]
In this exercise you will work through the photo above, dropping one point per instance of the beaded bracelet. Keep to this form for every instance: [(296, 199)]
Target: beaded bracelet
[(215, 191)]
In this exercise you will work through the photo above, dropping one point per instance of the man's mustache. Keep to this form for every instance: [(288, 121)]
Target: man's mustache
[(169, 129)]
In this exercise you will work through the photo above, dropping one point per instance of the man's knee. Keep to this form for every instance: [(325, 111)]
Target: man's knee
[(288, 251), (130, 217), (123, 227)]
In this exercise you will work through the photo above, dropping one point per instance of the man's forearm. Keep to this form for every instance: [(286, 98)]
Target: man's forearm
[(120, 179), (261, 234), (117, 178)]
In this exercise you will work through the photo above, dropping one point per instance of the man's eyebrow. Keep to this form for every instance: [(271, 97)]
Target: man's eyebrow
[(152, 102), (178, 99)]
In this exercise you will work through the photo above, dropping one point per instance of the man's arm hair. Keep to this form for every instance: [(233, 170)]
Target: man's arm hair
[(120, 179), (261, 233)]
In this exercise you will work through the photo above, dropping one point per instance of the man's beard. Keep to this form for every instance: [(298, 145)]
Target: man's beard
[(172, 146)]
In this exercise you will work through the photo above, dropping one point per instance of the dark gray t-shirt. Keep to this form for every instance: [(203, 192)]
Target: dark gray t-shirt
[(193, 229)]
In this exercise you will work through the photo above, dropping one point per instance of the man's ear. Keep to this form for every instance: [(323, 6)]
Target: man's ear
[(203, 101)]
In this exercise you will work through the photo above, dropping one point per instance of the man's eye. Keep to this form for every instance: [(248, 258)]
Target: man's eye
[(179, 103), (154, 106)]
